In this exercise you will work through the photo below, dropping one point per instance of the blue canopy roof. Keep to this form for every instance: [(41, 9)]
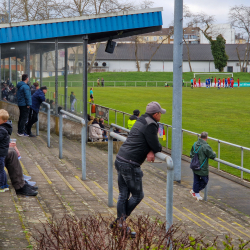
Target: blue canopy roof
[(101, 26)]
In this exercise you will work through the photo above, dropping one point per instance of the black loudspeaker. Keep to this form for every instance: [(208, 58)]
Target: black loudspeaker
[(110, 47)]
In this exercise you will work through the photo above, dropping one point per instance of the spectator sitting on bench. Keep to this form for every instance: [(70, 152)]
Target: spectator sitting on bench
[(95, 132)]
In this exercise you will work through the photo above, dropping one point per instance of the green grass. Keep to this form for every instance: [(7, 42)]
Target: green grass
[(223, 113), (136, 76)]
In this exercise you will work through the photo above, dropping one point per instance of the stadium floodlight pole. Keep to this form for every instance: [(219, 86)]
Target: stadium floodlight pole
[(177, 89)]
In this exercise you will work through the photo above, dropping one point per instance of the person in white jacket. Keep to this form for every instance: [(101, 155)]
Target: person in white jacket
[(95, 132)]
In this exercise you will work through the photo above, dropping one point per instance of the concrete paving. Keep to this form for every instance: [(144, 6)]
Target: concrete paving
[(61, 191)]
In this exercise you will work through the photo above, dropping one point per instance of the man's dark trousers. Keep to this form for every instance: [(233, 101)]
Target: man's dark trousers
[(23, 117), (14, 169), (32, 119), (200, 182), (129, 182)]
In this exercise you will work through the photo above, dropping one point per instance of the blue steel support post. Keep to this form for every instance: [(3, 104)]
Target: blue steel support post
[(41, 69), (56, 75), (60, 135), (110, 169), (85, 80), (0, 71), (65, 77), (177, 89), (27, 63), (48, 125), (84, 128)]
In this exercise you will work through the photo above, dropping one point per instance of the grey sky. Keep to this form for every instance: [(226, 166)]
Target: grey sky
[(218, 8)]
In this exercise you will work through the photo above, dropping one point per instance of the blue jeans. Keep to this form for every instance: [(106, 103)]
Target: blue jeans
[(200, 182), (129, 182), (3, 177)]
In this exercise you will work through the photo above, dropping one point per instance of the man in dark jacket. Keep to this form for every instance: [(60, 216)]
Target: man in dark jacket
[(37, 100), (24, 103), (133, 118), (142, 143), (204, 152)]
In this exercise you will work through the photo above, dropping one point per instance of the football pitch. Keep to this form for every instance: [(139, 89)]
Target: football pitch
[(224, 114)]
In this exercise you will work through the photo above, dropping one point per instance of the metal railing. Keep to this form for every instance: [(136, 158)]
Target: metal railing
[(48, 123), (113, 83), (161, 156), (83, 138)]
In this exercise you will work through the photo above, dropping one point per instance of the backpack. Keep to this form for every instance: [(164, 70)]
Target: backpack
[(195, 163)]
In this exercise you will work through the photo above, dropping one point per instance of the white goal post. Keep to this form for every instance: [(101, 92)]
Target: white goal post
[(214, 74)]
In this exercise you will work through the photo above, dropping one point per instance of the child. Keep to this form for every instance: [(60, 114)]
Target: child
[(5, 132)]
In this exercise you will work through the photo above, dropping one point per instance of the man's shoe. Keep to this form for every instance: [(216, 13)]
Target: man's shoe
[(198, 197), (24, 134), (26, 190), (192, 192), (6, 187), (32, 187), (19, 134), (31, 183), (31, 135), (2, 189)]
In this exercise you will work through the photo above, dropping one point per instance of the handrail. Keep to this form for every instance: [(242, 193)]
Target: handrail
[(83, 138), (161, 156)]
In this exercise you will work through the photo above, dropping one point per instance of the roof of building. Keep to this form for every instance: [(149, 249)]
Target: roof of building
[(198, 52), (71, 30)]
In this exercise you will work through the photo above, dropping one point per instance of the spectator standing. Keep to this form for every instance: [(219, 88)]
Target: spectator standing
[(5, 92), (91, 94), (24, 102), (72, 101), (8, 81), (142, 143), (183, 82), (102, 82), (37, 100), (201, 176), (98, 82), (133, 118), (34, 87), (5, 132)]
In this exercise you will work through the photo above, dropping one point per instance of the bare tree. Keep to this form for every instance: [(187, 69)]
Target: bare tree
[(240, 19)]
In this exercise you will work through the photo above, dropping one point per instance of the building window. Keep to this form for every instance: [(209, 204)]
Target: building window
[(160, 37), (155, 38), (185, 36), (146, 38)]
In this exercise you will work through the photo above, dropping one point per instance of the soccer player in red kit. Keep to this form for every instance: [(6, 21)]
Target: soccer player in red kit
[(195, 83), (228, 82), (223, 82), (238, 81), (214, 82), (232, 83), (199, 81)]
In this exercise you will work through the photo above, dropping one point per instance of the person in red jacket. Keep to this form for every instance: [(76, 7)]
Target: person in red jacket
[(214, 81), (238, 81), (195, 83), (223, 82), (199, 81)]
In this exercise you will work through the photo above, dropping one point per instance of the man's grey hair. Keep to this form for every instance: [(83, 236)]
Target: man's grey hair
[(204, 135)]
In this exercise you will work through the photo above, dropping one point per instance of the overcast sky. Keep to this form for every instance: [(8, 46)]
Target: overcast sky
[(218, 8)]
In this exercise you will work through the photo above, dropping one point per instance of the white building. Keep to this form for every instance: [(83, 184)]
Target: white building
[(225, 30), (123, 58)]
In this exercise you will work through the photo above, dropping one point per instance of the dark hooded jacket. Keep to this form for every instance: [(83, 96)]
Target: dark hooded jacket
[(23, 94), (33, 90), (37, 100), (5, 132)]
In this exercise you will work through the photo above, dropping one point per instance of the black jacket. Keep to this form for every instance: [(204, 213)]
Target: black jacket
[(5, 132), (141, 140)]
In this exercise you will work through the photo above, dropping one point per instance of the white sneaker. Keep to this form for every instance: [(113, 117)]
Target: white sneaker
[(31, 183), (198, 197), (191, 191), (26, 177)]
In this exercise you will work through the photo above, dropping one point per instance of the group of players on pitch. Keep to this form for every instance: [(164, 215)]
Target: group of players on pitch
[(224, 83)]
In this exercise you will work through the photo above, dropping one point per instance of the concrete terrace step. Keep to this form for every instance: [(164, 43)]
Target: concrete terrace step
[(188, 213), (61, 191)]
